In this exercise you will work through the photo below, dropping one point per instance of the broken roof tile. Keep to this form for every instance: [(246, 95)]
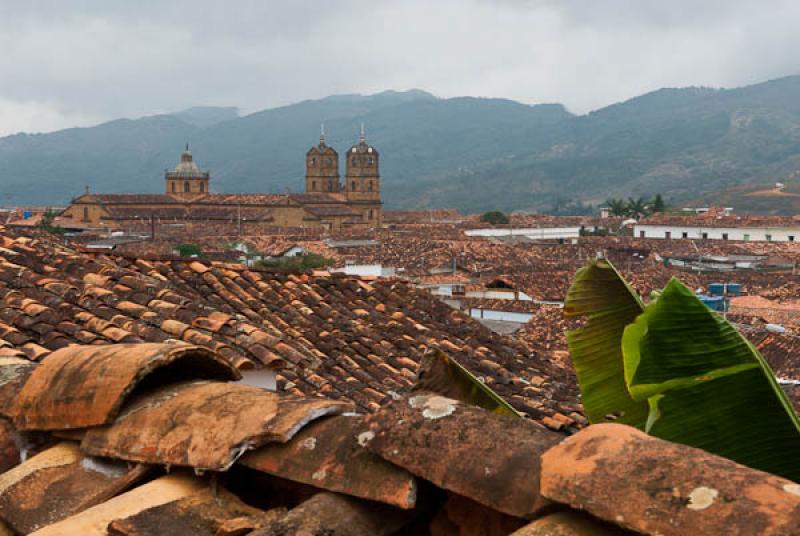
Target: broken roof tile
[(330, 513), (202, 513), (57, 483), (491, 459), (80, 386), (204, 425), (328, 454), (94, 521)]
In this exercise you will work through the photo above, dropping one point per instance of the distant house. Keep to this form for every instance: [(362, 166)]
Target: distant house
[(752, 229)]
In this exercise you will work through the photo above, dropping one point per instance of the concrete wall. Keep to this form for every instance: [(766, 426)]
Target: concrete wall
[(507, 316), (541, 233), (755, 234)]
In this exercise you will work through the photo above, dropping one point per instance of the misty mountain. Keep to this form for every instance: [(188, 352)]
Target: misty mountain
[(468, 153)]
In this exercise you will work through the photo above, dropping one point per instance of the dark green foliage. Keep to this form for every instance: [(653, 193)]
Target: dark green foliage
[(46, 224), (495, 217), (188, 250), (657, 204), (297, 263)]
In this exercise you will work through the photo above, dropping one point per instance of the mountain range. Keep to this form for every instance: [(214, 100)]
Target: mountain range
[(468, 153)]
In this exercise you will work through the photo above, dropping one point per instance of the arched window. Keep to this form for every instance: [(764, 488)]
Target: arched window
[(186, 187), (354, 160), (370, 214), (369, 187), (353, 186), (313, 185), (330, 186), (371, 160), (174, 189), (85, 213), (202, 187), (313, 161)]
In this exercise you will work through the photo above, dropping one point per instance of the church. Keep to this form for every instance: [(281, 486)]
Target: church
[(327, 202)]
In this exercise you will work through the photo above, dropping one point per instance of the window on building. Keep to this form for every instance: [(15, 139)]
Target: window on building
[(313, 161), (354, 160), (174, 188), (330, 186), (724, 236), (746, 237), (85, 213), (202, 187), (791, 238), (371, 161), (769, 238), (684, 235), (313, 185), (641, 234), (353, 186), (705, 236), (371, 214), (186, 187), (369, 186), (668, 235)]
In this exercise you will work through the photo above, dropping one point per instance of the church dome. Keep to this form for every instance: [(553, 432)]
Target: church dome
[(187, 166)]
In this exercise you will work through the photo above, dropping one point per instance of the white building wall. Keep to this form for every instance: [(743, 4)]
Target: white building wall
[(499, 295), (541, 233), (753, 234), (507, 316), (265, 378), (375, 270)]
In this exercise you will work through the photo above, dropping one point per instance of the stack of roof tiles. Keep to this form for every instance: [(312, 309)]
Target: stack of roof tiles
[(153, 439)]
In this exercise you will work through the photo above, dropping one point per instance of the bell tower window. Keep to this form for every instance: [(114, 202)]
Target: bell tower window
[(186, 187), (202, 187)]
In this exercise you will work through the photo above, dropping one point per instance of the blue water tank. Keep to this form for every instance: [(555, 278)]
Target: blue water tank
[(26, 214), (716, 289), (734, 289), (715, 303)]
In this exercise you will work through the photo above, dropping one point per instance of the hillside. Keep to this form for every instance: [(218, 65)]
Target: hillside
[(468, 153)]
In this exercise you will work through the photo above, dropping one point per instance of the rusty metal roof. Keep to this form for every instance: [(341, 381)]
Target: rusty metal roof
[(327, 454), (82, 386), (204, 425), (464, 449)]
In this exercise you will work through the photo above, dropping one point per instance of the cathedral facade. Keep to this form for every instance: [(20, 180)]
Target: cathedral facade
[(327, 201)]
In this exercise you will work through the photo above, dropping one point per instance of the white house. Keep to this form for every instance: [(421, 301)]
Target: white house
[(716, 230)]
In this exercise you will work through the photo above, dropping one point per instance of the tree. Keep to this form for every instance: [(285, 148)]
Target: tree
[(46, 223), (617, 207), (495, 217), (678, 371), (637, 208), (188, 250), (657, 204)]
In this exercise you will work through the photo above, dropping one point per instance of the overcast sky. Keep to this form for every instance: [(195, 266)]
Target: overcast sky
[(66, 63)]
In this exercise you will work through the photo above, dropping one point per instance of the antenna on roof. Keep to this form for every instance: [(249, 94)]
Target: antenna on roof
[(322, 133), (362, 138), (187, 147)]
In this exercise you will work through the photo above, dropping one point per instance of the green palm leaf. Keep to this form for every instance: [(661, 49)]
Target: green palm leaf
[(600, 294), (707, 386)]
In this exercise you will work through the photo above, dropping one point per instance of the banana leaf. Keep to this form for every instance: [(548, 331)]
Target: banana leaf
[(707, 386), (441, 374), (600, 294)]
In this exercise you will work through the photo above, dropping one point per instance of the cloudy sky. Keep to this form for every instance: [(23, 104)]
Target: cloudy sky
[(68, 63)]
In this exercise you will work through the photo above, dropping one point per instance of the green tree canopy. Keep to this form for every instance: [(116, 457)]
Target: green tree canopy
[(495, 217)]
